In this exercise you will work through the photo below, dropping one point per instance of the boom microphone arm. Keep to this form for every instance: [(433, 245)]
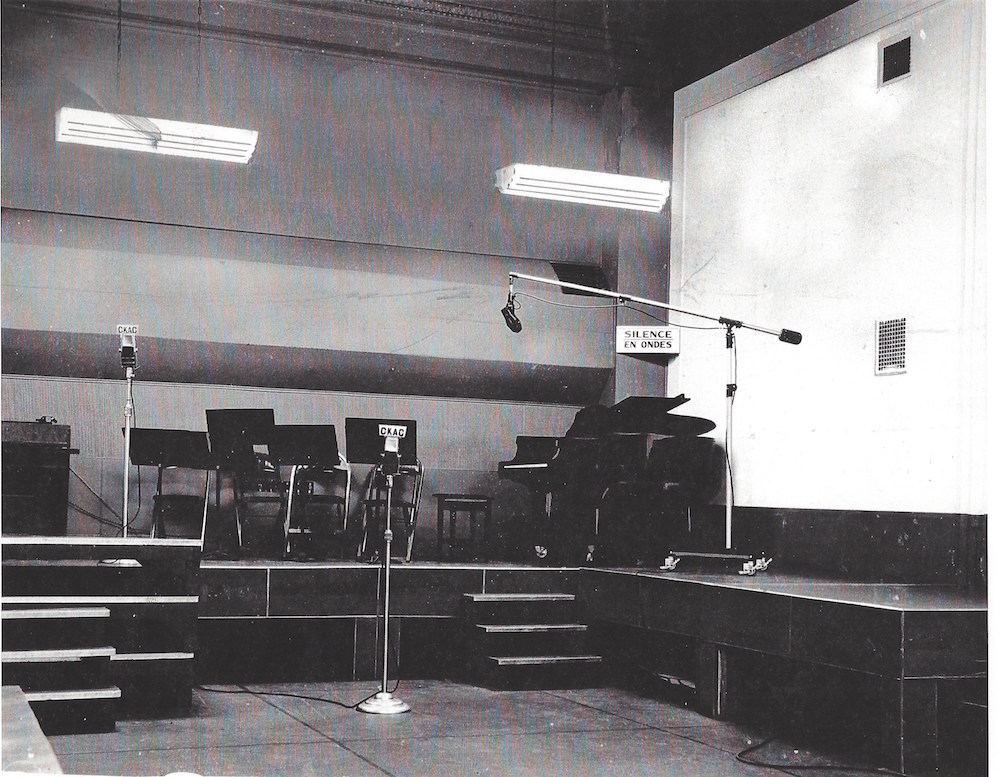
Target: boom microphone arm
[(784, 335), (731, 325)]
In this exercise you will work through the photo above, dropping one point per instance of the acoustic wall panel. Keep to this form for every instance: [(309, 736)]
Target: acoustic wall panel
[(808, 196)]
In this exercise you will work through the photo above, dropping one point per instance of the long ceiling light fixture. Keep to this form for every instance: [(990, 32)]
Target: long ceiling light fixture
[(157, 136), (559, 183)]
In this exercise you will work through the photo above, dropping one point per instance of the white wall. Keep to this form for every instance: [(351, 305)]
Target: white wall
[(807, 197)]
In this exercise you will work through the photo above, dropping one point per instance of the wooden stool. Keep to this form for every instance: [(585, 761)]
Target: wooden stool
[(473, 504)]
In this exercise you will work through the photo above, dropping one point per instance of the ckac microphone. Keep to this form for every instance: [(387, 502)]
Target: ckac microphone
[(513, 323), (127, 351), (389, 461), (788, 336)]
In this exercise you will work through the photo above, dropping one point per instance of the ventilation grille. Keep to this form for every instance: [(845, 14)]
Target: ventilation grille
[(890, 356), (582, 275), (895, 60)]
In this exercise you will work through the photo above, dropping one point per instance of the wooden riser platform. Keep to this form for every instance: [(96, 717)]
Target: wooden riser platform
[(132, 601)]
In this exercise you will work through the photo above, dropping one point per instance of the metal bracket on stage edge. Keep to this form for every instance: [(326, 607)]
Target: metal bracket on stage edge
[(750, 565)]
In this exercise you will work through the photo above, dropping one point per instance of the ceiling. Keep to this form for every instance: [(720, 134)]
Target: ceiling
[(690, 39), (658, 44), (662, 44)]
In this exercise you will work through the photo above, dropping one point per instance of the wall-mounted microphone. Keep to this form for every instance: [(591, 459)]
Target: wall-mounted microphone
[(788, 336), (513, 323)]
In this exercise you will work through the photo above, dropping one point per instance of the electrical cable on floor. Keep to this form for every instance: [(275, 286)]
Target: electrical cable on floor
[(99, 519), (744, 757), (86, 485), (287, 694)]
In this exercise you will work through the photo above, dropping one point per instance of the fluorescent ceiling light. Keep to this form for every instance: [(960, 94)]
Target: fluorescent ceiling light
[(158, 136), (558, 183)]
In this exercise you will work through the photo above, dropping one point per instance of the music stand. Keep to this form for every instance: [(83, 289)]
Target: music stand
[(387, 444), (232, 434), (165, 448), (307, 447)]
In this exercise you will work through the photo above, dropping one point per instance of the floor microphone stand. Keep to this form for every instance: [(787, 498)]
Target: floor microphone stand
[(730, 398), (383, 702), (128, 362), (129, 413)]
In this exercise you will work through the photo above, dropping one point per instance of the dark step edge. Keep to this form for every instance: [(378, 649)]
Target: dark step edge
[(176, 655), (56, 613), (544, 660), (109, 600), (55, 655), (530, 628), (80, 694), (500, 597)]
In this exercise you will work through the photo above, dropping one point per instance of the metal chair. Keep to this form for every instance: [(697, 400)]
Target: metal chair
[(173, 450), (404, 506), (240, 444), (319, 485)]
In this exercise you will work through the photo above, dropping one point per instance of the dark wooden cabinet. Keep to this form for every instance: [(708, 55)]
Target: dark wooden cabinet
[(35, 477)]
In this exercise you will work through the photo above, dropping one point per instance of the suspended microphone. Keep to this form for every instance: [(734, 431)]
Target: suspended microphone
[(788, 336), (513, 323)]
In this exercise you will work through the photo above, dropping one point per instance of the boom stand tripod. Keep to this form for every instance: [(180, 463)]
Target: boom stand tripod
[(129, 413), (383, 702)]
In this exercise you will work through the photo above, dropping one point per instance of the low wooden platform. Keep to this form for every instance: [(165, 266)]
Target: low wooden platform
[(912, 640)]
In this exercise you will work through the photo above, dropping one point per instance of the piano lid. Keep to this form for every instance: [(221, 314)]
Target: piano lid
[(652, 415), (639, 406), (638, 415)]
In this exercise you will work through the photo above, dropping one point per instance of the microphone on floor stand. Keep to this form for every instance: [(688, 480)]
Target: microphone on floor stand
[(383, 702), (127, 353)]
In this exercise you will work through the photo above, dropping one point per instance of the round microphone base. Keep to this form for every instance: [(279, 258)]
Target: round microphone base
[(383, 703)]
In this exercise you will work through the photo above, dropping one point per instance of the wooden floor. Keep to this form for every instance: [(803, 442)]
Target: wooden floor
[(452, 729), (916, 643)]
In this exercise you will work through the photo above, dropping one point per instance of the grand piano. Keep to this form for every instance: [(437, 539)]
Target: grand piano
[(619, 486)]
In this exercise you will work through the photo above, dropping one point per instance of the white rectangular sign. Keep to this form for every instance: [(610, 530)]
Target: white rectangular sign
[(391, 430), (644, 340)]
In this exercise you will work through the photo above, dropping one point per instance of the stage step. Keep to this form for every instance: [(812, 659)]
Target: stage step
[(56, 587), (544, 660), (65, 668), (137, 623), (66, 577), (57, 627), (527, 640), (160, 681), (68, 688), (84, 710), (519, 608)]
